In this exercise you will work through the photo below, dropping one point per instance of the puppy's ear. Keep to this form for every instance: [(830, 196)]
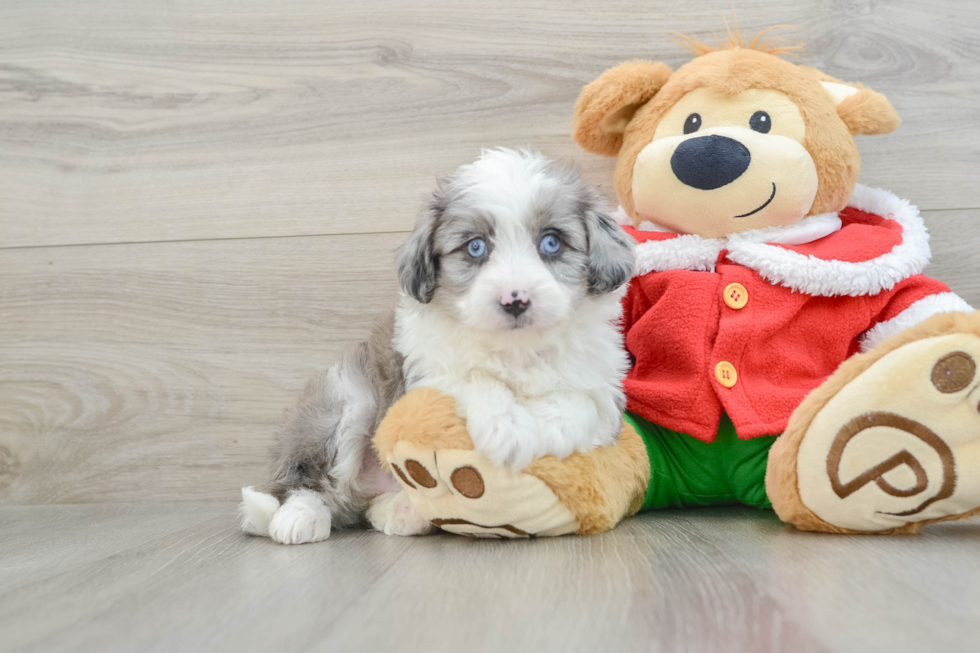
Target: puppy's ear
[(606, 106), (863, 110), (611, 253), (416, 259)]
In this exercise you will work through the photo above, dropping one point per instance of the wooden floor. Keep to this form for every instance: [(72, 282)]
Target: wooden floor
[(199, 200), (180, 577)]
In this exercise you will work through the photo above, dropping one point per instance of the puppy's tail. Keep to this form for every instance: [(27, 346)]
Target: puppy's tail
[(256, 510)]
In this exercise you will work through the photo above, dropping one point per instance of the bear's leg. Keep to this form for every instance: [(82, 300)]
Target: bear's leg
[(686, 472), (891, 441)]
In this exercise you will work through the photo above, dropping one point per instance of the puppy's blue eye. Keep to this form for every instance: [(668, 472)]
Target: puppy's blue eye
[(550, 244), (476, 248)]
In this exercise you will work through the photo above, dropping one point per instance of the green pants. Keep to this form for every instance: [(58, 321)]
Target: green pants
[(687, 472)]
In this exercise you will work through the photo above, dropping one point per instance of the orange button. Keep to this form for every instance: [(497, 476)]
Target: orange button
[(736, 296), (726, 374)]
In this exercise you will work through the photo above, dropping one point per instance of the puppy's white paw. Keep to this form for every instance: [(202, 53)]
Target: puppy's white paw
[(392, 513), (508, 437), (256, 511), (303, 518)]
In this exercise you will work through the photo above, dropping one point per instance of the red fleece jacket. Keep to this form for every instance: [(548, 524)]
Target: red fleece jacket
[(807, 307)]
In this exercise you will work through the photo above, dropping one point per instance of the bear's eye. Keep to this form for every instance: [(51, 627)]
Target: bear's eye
[(760, 122), (692, 124)]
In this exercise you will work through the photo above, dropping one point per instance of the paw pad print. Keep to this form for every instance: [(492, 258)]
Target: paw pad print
[(468, 482)]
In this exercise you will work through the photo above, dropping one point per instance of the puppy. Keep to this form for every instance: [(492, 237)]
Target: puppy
[(512, 281)]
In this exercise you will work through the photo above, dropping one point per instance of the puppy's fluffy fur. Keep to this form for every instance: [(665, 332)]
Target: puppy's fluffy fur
[(522, 333)]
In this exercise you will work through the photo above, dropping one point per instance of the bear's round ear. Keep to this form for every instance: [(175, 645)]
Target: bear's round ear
[(606, 105), (863, 110)]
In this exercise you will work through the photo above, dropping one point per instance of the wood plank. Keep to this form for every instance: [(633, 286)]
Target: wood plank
[(859, 593), (158, 371), (731, 579), (202, 587), (647, 585), (39, 542), (148, 121), (955, 242)]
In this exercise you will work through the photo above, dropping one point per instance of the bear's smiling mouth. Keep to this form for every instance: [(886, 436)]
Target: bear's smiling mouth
[(745, 215)]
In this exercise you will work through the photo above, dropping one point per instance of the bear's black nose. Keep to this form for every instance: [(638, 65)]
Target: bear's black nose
[(709, 162)]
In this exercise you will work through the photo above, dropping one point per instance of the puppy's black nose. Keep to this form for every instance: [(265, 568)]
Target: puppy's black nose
[(709, 162), (516, 308)]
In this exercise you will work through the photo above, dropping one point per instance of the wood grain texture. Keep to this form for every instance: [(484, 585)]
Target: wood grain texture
[(139, 120), (180, 577), (955, 242), (158, 371)]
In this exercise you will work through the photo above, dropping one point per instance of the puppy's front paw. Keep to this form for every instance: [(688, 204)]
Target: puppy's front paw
[(506, 437), (302, 519), (393, 513)]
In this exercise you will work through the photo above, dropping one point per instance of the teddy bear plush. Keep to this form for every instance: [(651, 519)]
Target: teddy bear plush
[(787, 350)]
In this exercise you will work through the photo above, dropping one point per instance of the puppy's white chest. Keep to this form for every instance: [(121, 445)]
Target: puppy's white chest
[(531, 374)]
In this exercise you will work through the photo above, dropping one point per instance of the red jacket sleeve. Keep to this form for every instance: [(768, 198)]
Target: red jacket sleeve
[(911, 301)]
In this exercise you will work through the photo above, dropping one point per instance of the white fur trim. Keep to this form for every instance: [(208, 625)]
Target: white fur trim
[(829, 278), (646, 225), (690, 252), (919, 311), (806, 274), (805, 231)]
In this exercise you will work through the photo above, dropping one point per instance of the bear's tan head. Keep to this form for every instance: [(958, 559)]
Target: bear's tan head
[(736, 139)]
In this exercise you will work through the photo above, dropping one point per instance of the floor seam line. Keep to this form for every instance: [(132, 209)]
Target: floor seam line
[(203, 240)]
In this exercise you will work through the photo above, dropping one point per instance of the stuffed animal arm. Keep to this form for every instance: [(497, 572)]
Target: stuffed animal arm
[(424, 444)]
